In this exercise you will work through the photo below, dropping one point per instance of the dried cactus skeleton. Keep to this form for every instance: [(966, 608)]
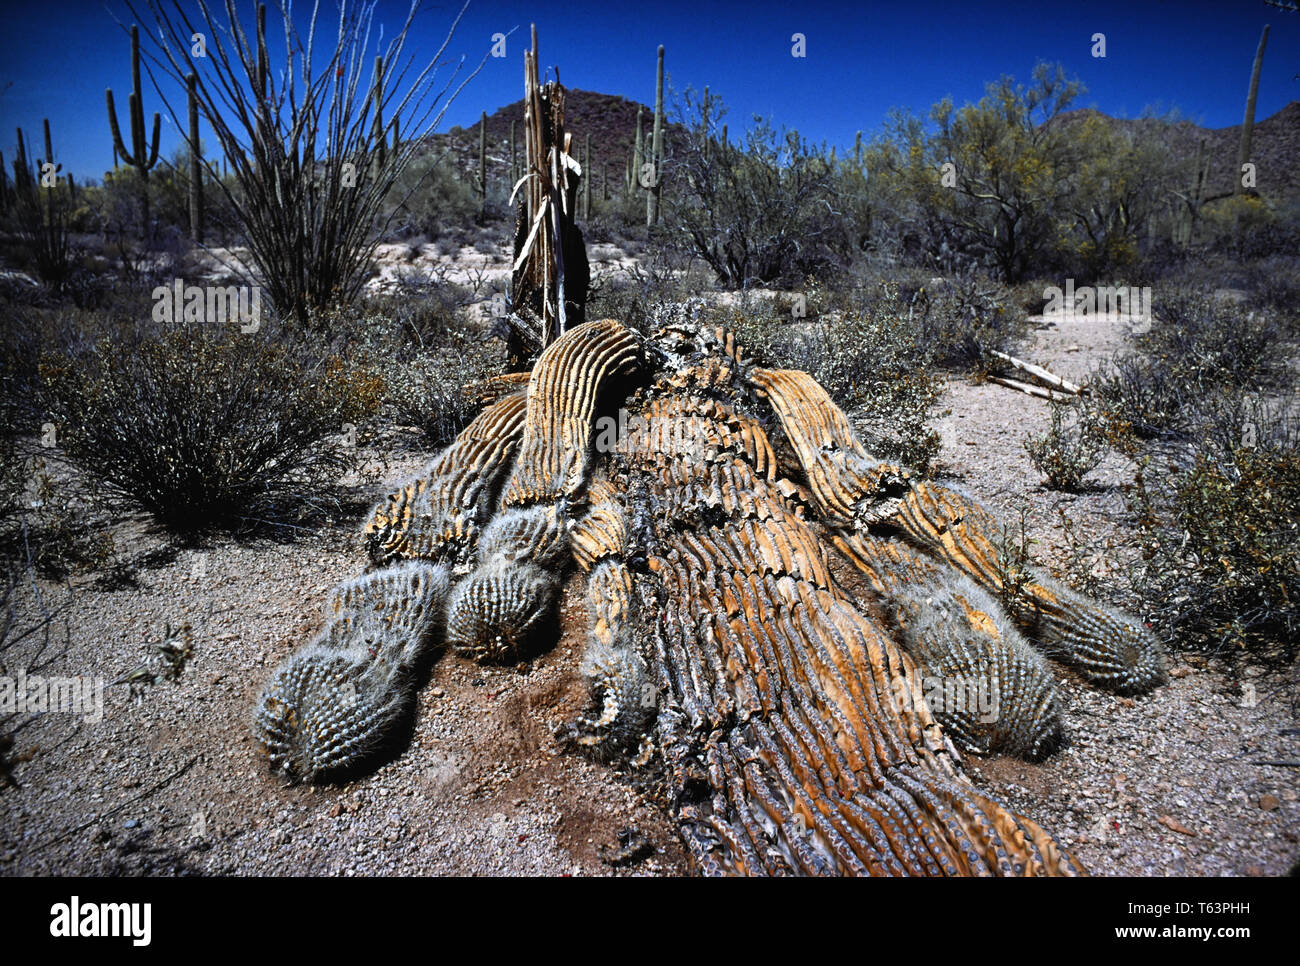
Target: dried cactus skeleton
[(785, 714)]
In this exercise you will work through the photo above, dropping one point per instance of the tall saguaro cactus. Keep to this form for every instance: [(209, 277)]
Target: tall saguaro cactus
[(482, 159), (196, 160), (657, 147), (138, 157), (514, 159), (378, 131), (1248, 124), (587, 174), (638, 153)]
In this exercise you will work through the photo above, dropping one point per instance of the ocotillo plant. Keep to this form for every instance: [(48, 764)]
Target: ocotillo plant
[(138, 157), (657, 147), (196, 161), (311, 221), (1248, 124)]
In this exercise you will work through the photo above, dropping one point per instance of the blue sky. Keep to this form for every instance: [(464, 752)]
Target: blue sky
[(862, 59)]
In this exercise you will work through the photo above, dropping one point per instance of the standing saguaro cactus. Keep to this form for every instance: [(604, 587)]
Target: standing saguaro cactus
[(138, 157), (1248, 124), (657, 147), (587, 174), (514, 161), (638, 154), (482, 159), (196, 161), (378, 132)]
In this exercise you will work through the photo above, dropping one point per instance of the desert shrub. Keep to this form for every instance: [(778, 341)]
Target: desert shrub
[(1070, 449), (639, 294), (428, 353), (1244, 225), (1198, 348), (762, 212), (1219, 532), (431, 198), (205, 426), (1275, 287), (62, 528), (874, 362), (962, 320)]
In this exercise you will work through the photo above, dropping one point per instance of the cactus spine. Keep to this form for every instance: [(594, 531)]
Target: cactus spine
[(657, 146), (196, 161), (138, 157), (1248, 123)]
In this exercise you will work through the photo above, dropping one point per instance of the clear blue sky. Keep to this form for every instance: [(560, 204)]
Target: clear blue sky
[(863, 58)]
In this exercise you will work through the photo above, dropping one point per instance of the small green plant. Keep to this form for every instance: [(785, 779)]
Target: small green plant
[(1068, 451)]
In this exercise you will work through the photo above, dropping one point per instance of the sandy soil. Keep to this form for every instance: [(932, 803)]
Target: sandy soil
[(167, 782)]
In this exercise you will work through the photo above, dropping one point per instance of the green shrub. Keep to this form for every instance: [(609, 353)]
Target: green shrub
[(209, 427), (962, 320), (435, 390), (1068, 452), (1219, 536), (1199, 347)]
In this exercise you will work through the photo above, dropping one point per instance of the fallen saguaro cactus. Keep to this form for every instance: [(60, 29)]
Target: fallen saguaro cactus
[(996, 693), (334, 702), (858, 493), (437, 515), (785, 715)]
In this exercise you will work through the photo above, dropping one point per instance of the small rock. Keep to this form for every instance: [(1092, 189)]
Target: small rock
[(438, 692), (130, 823), (1180, 672), (1269, 803), (1171, 823)]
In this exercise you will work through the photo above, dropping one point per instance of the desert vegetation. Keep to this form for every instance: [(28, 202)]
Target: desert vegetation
[(364, 308)]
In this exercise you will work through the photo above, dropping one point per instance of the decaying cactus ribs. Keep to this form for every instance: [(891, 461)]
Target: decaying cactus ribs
[(786, 717), (856, 492)]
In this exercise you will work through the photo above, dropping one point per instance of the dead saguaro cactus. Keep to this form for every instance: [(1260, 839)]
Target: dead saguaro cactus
[(785, 714), (551, 275)]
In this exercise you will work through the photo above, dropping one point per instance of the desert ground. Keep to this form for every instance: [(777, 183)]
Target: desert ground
[(1197, 778)]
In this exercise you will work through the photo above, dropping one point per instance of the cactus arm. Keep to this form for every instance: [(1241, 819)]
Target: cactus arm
[(153, 151), (119, 146)]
